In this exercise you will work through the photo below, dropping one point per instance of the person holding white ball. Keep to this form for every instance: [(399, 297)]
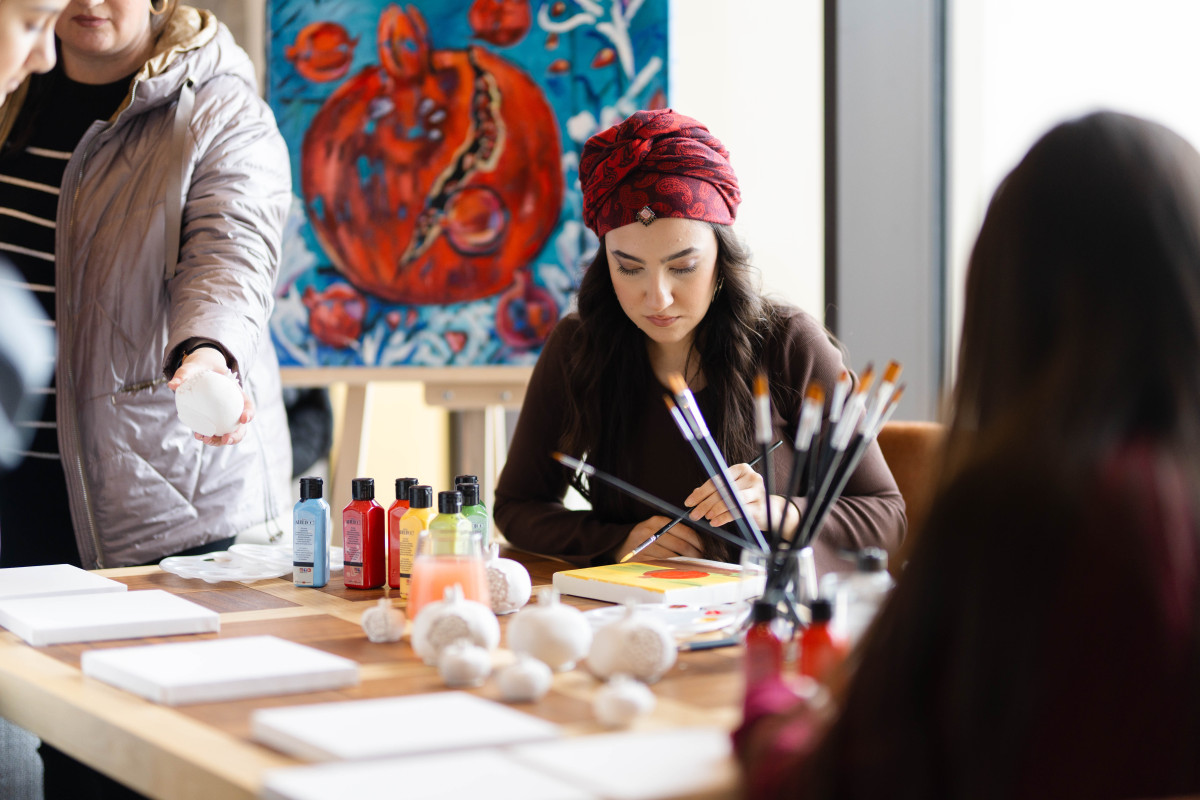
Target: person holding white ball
[(152, 185)]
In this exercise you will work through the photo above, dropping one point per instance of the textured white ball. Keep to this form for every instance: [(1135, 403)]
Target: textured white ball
[(463, 665), (508, 583), (551, 632), (525, 680), (210, 403), (619, 702), (637, 644)]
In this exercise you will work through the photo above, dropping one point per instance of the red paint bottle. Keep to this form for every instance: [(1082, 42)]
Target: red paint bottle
[(820, 651), (363, 537), (394, 544), (764, 647)]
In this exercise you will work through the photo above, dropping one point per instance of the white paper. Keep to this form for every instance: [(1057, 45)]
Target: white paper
[(682, 762), (111, 615), (53, 579), (216, 670), (393, 726), (487, 774)]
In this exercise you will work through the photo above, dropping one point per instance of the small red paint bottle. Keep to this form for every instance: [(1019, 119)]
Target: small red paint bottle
[(764, 647), (364, 539), (394, 540), (820, 651)]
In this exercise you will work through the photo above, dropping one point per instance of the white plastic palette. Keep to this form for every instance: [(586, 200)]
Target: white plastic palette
[(241, 562), (683, 621)]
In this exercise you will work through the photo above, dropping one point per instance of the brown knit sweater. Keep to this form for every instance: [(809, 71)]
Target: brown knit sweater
[(528, 505)]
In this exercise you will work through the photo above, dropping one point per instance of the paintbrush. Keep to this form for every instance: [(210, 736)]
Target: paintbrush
[(658, 533), (762, 435), (718, 470), (662, 506), (821, 511), (807, 430)]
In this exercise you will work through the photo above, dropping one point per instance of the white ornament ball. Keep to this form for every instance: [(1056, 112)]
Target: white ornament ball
[(551, 632), (637, 644), (210, 403), (622, 700), (382, 623), (524, 681), (443, 622), (463, 665), (508, 583)]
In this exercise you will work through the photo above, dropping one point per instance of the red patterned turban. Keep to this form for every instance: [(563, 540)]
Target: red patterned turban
[(656, 164)]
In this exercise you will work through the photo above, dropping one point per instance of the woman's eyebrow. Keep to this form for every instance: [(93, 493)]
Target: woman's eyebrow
[(685, 252), (627, 257)]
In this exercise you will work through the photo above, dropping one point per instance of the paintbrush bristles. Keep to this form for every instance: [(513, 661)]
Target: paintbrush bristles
[(677, 383), (762, 411), (892, 372)]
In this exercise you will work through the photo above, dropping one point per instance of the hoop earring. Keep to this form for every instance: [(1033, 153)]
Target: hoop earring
[(720, 283), (162, 7)]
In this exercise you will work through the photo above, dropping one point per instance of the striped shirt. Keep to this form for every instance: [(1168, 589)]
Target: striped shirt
[(31, 172)]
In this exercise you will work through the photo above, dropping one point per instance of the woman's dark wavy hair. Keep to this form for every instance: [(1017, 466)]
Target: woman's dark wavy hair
[(1082, 319), (610, 368)]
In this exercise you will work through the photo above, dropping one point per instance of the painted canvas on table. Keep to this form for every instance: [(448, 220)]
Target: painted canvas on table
[(434, 150)]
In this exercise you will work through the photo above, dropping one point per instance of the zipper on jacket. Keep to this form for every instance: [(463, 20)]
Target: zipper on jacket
[(79, 470)]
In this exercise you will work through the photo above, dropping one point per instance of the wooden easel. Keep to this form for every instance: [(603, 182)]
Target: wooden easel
[(480, 394)]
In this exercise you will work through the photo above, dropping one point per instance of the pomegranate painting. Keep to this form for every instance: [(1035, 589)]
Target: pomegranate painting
[(434, 151)]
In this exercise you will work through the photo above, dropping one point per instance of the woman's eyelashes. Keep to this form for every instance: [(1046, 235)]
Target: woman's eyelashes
[(685, 270)]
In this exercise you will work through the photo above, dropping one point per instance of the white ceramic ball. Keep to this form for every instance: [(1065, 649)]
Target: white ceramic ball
[(524, 681), (622, 700), (210, 403)]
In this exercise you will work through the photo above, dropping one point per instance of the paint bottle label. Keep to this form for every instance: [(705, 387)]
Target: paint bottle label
[(352, 543), (304, 535)]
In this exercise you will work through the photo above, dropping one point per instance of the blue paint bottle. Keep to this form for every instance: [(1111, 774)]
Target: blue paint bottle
[(310, 536)]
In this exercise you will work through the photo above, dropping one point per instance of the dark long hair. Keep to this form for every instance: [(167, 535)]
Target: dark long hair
[(1082, 317), (1081, 335), (610, 367)]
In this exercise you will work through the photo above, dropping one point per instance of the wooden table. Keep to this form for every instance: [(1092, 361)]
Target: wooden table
[(202, 752)]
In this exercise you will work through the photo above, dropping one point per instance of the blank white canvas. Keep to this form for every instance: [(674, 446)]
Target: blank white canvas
[(444, 776), (394, 726), (216, 670), (112, 615), (53, 579), (683, 762)]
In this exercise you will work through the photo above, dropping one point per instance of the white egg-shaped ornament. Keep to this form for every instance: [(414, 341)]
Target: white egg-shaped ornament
[(553, 633), (636, 644), (508, 582), (442, 622), (526, 680), (463, 665), (210, 403), (622, 700), (382, 623)]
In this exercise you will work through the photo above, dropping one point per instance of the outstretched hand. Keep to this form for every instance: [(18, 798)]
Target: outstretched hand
[(206, 359)]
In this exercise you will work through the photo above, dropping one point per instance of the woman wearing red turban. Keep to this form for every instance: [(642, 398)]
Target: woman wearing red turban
[(671, 291)]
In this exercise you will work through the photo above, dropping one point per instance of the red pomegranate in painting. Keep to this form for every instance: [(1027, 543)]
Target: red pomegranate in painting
[(433, 177), (322, 52), (501, 22), (335, 316), (525, 314)]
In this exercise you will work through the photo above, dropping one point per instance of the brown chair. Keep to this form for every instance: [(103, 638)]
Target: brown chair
[(911, 450)]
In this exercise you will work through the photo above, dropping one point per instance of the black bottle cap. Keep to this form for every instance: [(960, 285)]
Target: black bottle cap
[(420, 496), (470, 494), (362, 488), (402, 487), (460, 479), (872, 559), (449, 502), (821, 610), (310, 488), (764, 611)]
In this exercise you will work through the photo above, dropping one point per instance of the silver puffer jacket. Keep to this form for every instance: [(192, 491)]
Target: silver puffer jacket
[(192, 142)]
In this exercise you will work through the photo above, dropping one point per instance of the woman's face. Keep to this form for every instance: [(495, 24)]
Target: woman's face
[(664, 275), (114, 30), (26, 40)]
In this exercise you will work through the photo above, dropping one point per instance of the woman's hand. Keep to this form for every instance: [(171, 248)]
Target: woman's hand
[(679, 541), (207, 358), (706, 502)]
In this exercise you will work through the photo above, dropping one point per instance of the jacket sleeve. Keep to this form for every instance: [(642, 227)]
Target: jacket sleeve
[(529, 508), (237, 201), (870, 512)]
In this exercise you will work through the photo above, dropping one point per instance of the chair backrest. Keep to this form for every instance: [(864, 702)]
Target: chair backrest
[(911, 450)]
